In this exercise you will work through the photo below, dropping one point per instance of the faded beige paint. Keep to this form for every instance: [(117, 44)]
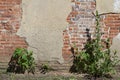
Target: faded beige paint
[(107, 6), (115, 45), (43, 22)]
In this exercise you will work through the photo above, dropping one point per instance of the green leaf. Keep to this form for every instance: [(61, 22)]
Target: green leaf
[(23, 59), (93, 59)]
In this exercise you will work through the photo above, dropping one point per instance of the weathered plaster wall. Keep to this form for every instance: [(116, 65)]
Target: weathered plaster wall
[(106, 6), (43, 22)]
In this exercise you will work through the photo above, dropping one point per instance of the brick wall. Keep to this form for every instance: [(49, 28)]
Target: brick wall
[(111, 23), (10, 19), (81, 18)]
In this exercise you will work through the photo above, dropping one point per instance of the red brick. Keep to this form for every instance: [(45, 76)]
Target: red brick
[(11, 14)]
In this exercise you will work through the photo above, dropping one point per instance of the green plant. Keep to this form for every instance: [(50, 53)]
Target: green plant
[(21, 61), (45, 68), (95, 59), (12, 77)]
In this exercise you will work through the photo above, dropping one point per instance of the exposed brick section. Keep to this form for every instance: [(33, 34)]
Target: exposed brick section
[(111, 23), (80, 19), (10, 19)]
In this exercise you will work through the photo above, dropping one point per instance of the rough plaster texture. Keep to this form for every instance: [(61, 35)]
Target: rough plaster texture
[(106, 6), (115, 45), (43, 22)]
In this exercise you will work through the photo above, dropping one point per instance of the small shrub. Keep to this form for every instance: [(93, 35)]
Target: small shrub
[(45, 68), (21, 61), (94, 59)]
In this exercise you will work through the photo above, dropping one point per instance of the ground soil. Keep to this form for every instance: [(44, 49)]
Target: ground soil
[(52, 75)]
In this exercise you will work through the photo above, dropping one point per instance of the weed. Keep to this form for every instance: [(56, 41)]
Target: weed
[(94, 59), (21, 61), (45, 68)]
